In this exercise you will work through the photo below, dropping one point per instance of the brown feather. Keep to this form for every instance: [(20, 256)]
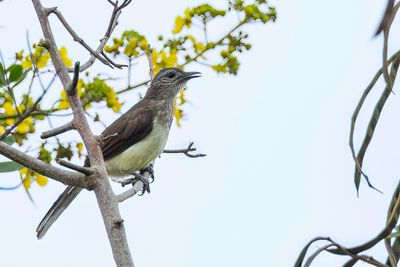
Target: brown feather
[(127, 130)]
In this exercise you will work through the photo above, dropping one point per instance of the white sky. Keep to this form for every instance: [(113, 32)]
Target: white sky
[(278, 170)]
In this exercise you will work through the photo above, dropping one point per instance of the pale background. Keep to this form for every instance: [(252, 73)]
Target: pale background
[(278, 170)]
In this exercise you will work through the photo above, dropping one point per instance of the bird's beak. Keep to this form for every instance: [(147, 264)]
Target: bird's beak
[(193, 74)]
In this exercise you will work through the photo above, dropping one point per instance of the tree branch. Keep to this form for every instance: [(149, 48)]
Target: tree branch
[(185, 151), (59, 130), (107, 201), (63, 176), (70, 165), (26, 114), (76, 37), (111, 26)]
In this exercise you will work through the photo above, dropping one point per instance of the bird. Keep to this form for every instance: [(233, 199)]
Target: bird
[(134, 140)]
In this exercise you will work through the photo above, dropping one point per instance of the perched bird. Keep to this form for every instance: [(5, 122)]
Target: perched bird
[(135, 139)]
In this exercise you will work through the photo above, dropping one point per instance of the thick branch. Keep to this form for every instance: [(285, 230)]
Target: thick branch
[(63, 176), (106, 199)]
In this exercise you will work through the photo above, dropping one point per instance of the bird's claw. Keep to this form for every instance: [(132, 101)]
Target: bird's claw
[(140, 177), (150, 170)]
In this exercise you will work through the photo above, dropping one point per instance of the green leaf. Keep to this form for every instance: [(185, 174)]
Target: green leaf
[(9, 140), (2, 75), (21, 78), (9, 166), (15, 71)]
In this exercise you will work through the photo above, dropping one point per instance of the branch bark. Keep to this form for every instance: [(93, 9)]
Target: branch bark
[(107, 201), (63, 176)]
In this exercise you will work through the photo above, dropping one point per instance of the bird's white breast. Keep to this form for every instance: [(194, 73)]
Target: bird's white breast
[(141, 154)]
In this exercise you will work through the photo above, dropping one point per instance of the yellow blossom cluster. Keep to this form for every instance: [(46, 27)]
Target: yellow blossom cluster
[(94, 91), (134, 44), (180, 22), (41, 57), (178, 111), (164, 59), (26, 126), (28, 176)]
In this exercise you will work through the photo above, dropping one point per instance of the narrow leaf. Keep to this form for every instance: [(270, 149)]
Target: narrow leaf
[(9, 166)]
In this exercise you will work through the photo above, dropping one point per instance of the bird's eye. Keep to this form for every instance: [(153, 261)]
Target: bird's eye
[(171, 75)]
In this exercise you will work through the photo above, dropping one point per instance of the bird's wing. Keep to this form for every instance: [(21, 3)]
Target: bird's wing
[(126, 131)]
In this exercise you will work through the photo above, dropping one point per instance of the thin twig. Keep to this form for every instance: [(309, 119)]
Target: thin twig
[(149, 55), (70, 165), (118, 66), (76, 37), (185, 151), (111, 26), (27, 113), (59, 130), (133, 87)]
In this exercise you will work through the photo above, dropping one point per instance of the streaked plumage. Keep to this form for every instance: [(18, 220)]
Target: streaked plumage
[(135, 139)]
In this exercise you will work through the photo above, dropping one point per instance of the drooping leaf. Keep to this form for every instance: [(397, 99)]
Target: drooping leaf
[(9, 166)]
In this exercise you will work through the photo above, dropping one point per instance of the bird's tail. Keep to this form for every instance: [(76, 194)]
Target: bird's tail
[(63, 201)]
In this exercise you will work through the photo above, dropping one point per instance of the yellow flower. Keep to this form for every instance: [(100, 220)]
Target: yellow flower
[(143, 45), (41, 62), (79, 146), (40, 55), (182, 97), (9, 110), (26, 177), (24, 171), (180, 22), (64, 103), (2, 129), (27, 182), (41, 180), (63, 53), (178, 114), (8, 107), (25, 126), (116, 106), (26, 64), (200, 47)]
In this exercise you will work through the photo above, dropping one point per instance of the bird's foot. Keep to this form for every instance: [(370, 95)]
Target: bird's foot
[(150, 170), (139, 177)]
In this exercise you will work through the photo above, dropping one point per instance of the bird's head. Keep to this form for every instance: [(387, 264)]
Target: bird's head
[(169, 81)]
